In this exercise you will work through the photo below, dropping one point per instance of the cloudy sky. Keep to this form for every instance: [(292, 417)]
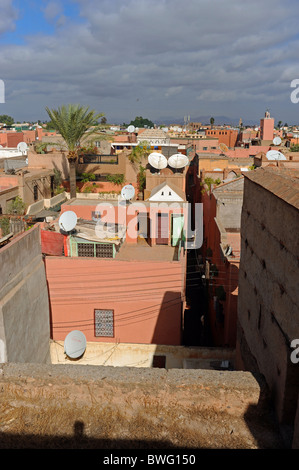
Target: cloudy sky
[(160, 59)]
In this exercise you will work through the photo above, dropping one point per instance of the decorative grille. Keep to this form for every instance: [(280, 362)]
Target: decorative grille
[(85, 249), (104, 250), (104, 323)]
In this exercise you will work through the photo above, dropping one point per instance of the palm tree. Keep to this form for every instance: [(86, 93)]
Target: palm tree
[(74, 122), (212, 120)]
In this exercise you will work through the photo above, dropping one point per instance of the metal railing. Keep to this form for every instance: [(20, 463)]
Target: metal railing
[(100, 159)]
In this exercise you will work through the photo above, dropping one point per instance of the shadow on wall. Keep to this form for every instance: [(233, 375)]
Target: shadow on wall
[(169, 321), (78, 441), (262, 423)]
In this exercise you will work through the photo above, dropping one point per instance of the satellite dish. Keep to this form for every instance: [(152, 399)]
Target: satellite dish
[(178, 160), (131, 129), (275, 155), (75, 344), (22, 147), (157, 160), (277, 140), (1, 146), (67, 221), (228, 251), (223, 147), (128, 192)]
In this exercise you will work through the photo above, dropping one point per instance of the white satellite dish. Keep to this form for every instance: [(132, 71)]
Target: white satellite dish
[(178, 160), (128, 192), (131, 129), (1, 146), (275, 155), (22, 147), (157, 160), (277, 140), (67, 221), (75, 344)]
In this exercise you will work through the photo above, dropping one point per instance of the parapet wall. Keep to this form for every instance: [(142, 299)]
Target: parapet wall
[(80, 406)]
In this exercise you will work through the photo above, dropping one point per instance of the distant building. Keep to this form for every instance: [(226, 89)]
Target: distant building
[(267, 128)]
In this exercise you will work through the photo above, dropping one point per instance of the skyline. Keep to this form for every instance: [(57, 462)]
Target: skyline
[(162, 60)]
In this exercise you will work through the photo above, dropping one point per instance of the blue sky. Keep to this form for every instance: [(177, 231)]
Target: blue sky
[(33, 17), (160, 59)]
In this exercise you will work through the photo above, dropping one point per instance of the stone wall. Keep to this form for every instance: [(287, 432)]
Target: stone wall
[(75, 406), (268, 307), (24, 303)]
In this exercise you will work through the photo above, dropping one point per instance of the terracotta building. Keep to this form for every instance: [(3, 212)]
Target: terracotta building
[(120, 278), (222, 207)]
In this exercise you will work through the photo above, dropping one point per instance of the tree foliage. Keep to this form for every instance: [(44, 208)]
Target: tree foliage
[(16, 207), (139, 121), (74, 122), (8, 120)]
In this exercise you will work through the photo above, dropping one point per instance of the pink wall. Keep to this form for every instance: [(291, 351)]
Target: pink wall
[(145, 297)]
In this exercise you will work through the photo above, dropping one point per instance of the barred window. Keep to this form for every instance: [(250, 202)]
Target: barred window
[(104, 323)]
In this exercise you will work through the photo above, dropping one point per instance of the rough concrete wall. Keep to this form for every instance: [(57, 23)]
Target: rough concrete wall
[(6, 196), (60, 406), (268, 307), (24, 304), (51, 160)]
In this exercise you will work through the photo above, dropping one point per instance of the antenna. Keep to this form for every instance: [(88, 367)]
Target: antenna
[(223, 148), (22, 147), (228, 250), (277, 140), (275, 155), (157, 160), (75, 344), (178, 160), (67, 221), (128, 192)]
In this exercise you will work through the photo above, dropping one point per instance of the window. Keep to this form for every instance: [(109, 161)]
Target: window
[(35, 192), (104, 323)]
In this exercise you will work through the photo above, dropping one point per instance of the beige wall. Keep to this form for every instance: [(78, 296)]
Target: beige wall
[(268, 308), (49, 161), (141, 355), (24, 303), (6, 196)]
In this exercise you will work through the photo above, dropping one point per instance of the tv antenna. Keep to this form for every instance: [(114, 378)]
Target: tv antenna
[(128, 192), (75, 344), (277, 140), (157, 160), (22, 147), (223, 148), (275, 155), (67, 221), (178, 160)]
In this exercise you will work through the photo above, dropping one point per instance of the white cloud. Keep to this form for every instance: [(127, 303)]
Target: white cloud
[(8, 16), (139, 56)]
